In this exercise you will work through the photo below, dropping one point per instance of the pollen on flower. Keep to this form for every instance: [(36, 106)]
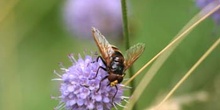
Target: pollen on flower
[(79, 87)]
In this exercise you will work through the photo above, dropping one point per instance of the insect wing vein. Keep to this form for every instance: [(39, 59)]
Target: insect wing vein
[(133, 53), (103, 45)]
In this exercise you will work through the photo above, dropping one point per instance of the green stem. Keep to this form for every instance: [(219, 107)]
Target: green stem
[(125, 23), (126, 37)]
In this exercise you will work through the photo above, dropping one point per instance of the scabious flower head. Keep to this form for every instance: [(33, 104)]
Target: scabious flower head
[(202, 3), (79, 86), (81, 15)]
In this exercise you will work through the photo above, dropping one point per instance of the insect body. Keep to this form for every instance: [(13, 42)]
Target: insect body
[(115, 63)]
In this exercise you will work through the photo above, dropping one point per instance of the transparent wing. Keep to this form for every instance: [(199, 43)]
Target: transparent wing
[(133, 53), (104, 47)]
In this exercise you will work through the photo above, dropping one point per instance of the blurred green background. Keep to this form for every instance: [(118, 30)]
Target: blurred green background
[(33, 40)]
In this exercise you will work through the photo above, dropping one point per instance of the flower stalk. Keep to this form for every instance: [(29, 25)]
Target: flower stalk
[(126, 37)]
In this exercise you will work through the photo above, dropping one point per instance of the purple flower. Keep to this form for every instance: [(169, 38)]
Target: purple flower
[(81, 15), (79, 86), (202, 3)]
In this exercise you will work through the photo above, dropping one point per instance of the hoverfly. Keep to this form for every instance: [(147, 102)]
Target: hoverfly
[(115, 63)]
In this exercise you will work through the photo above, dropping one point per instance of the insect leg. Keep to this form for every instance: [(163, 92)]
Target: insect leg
[(99, 57), (115, 93), (100, 67), (101, 82)]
